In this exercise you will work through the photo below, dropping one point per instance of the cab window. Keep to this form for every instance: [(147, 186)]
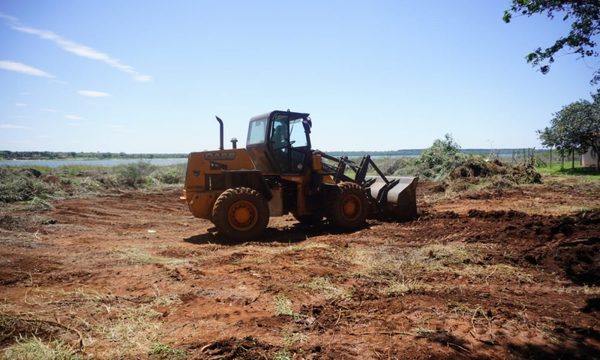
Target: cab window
[(256, 132)]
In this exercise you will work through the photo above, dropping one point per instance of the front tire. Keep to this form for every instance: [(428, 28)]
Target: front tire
[(348, 206), (240, 214)]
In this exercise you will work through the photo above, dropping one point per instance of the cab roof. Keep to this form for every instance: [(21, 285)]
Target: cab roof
[(291, 114)]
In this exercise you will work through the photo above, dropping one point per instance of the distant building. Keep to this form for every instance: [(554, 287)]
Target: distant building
[(588, 160)]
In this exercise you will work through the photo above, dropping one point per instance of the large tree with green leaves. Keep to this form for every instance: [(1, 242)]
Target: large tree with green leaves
[(584, 16), (575, 129)]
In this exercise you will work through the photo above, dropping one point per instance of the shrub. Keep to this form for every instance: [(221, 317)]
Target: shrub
[(440, 159), (174, 174), (134, 174)]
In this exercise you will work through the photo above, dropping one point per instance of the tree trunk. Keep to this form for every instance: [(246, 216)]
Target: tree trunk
[(551, 158), (572, 159)]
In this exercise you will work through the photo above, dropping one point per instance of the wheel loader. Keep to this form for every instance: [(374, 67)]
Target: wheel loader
[(279, 173)]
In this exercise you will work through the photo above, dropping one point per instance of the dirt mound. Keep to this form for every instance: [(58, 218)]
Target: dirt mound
[(504, 174), (576, 249), (495, 214)]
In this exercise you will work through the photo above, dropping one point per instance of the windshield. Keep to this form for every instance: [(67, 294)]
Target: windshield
[(257, 131)]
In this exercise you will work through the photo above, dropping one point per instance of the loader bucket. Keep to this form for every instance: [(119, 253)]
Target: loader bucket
[(398, 200)]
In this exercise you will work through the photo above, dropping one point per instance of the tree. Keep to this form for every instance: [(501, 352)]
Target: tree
[(585, 17), (575, 129), (592, 129)]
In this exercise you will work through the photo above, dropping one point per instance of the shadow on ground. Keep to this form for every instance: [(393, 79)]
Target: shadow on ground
[(287, 235)]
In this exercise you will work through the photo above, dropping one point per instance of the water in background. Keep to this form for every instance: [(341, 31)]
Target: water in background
[(503, 154), (91, 162)]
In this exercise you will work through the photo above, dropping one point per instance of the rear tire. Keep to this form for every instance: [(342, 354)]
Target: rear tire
[(240, 214), (348, 206)]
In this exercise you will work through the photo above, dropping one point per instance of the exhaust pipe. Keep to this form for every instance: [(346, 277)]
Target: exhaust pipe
[(220, 133)]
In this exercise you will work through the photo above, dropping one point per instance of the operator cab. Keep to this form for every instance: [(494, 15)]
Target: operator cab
[(279, 142)]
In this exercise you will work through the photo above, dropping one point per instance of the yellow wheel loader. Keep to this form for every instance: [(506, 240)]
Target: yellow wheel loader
[(279, 173)]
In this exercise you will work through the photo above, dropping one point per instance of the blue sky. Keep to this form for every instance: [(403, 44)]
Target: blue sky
[(149, 76)]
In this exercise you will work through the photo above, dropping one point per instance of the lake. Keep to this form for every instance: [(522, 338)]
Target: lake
[(91, 162)]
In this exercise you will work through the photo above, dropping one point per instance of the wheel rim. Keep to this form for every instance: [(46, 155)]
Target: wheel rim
[(351, 207), (242, 215)]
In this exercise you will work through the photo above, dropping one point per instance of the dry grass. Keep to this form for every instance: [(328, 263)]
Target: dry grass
[(401, 270), (585, 290), (400, 288), (132, 325), (138, 256), (33, 348), (325, 287), (133, 331), (301, 247)]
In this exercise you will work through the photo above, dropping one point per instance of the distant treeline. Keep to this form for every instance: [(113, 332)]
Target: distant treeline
[(54, 155), (417, 152)]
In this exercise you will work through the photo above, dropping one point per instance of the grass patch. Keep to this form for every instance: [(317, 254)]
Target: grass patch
[(452, 253), (401, 288), (160, 351), (401, 270), (302, 247), (33, 348), (283, 306), (327, 288), (373, 263), (134, 330), (556, 169), (137, 256), (282, 355), (293, 338)]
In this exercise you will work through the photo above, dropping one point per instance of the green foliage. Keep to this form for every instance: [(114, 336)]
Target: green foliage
[(161, 351), (282, 355), (440, 159), (39, 184), (174, 174), (585, 26), (283, 306), (575, 128), (134, 174), (22, 184), (556, 170)]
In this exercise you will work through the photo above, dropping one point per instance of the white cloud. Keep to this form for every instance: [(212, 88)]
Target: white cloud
[(93, 93), (75, 48), (13, 126), (117, 127), (73, 117), (23, 69), (20, 104), (48, 110)]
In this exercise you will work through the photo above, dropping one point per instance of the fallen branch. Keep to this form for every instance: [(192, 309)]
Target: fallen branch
[(389, 333)]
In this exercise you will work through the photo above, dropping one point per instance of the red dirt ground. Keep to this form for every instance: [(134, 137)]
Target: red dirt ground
[(512, 273)]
